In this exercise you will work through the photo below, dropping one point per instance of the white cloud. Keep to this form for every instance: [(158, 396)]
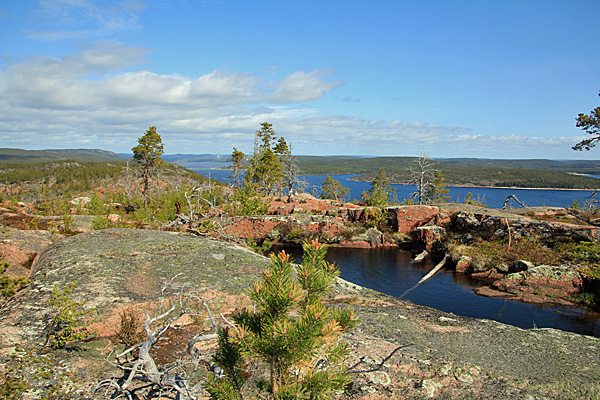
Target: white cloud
[(92, 99), (302, 86)]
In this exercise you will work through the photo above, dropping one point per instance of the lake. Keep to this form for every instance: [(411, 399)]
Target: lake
[(390, 271), (491, 197)]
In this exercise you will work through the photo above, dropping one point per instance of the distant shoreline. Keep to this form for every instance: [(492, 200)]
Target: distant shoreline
[(488, 187)]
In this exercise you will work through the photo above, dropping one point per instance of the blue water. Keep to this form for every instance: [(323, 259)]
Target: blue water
[(491, 197), (390, 271)]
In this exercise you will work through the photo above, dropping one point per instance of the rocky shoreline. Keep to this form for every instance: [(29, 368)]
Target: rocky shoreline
[(290, 220), (438, 355)]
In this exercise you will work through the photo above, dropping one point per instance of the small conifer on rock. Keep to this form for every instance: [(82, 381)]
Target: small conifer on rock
[(290, 334)]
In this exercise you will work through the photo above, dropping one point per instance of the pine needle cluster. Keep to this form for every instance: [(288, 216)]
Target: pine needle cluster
[(290, 334)]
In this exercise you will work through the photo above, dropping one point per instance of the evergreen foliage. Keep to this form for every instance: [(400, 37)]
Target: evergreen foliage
[(10, 286), (247, 200), (381, 192), (333, 189), (591, 125), (290, 331), (237, 165), (265, 168), (436, 192), (67, 321), (464, 172), (272, 166), (148, 152)]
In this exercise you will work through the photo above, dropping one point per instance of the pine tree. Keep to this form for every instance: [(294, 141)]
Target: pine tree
[(436, 191), (290, 330), (264, 168), (333, 189), (237, 165), (283, 153), (148, 152), (591, 125), (381, 192)]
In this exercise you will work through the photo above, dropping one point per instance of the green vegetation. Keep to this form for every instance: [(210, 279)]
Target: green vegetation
[(582, 252), (270, 170), (380, 193), (12, 383), (333, 189), (265, 168), (67, 323), (247, 200), (10, 286), (591, 125), (494, 253), (470, 200), (436, 192), (24, 367), (290, 331), (129, 332), (237, 160), (147, 153), (464, 172), (44, 156), (487, 253), (61, 188), (52, 182)]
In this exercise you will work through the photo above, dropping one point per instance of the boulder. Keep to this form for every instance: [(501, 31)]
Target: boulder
[(405, 219), (543, 284), (425, 237), (463, 264)]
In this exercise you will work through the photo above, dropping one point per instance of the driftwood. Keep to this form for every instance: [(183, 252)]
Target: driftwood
[(429, 275), (512, 196), (434, 270), (420, 257), (587, 221)]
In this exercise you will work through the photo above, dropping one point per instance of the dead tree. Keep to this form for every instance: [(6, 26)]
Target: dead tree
[(144, 368), (587, 221), (591, 203), (195, 215), (421, 175), (512, 196)]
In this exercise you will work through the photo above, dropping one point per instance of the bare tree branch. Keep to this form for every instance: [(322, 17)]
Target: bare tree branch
[(362, 371), (587, 221), (512, 196)]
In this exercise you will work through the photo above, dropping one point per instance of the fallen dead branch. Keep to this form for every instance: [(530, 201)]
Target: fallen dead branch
[(587, 221), (512, 196)]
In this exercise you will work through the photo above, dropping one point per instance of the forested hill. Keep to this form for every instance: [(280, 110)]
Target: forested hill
[(533, 173), (464, 171), (34, 156)]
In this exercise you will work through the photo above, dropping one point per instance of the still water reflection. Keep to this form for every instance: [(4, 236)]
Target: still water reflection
[(390, 271)]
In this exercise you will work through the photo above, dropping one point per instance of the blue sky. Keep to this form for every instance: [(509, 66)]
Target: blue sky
[(492, 79)]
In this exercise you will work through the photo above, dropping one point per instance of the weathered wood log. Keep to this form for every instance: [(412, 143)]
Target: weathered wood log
[(429, 275), (512, 196), (587, 221), (435, 269), (420, 257)]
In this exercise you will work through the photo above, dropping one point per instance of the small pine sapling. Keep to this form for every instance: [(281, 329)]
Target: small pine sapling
[(290, 331), (67, 322)]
